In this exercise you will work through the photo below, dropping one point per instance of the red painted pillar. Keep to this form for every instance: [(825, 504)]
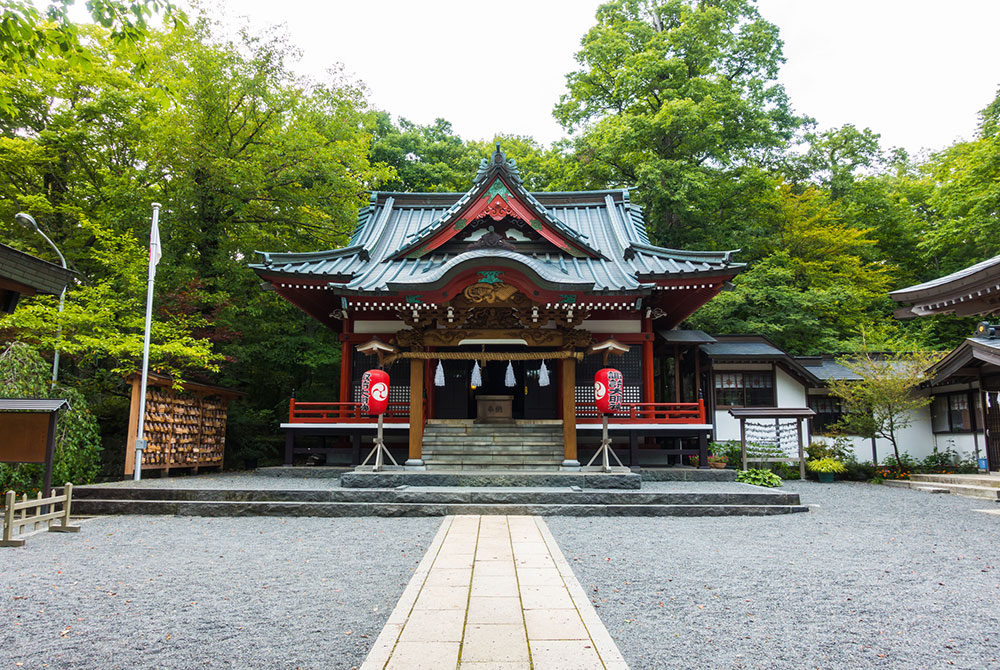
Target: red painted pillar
[(649, 393), (346, 362)]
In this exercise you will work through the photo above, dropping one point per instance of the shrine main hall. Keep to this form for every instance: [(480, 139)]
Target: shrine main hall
[(491, 311)]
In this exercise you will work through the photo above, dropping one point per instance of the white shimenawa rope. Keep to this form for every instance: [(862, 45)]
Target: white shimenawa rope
[(439, 375), (509, 380)]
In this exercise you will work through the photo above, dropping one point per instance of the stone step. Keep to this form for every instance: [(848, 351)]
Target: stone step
[(493, 451), (986, 481), (472, 495), (984, 492), (469, 442), (345, 509), (619, 478)]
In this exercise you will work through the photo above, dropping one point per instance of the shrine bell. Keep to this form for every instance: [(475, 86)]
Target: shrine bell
[(608, 388), (374, 392)]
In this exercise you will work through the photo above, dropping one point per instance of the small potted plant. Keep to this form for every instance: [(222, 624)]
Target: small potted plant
[(826, 468), (717, 461)]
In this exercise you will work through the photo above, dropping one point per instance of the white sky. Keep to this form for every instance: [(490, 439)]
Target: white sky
[(915, 71)]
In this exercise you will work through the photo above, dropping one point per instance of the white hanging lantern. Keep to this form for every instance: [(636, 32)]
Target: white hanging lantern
[(509, 380), (439, 375), (543, 375), (477, 375)]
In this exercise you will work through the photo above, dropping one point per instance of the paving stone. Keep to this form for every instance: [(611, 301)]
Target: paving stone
[(423, 656), (495, 642), (494, 586), (545, 597), (538, 577), (442, 598), (495, 610), (548, 624), (502, 567), (434, 626), (448, 576), (565, 655)]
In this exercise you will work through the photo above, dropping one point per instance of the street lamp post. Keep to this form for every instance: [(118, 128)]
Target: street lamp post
[(62, 296)]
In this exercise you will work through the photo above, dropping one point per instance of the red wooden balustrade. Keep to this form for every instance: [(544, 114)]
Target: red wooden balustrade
[(646, 412), (342, 412), (399, 412)]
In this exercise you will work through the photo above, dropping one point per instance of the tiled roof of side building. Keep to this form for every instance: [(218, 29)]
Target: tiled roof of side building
[(969, 275)]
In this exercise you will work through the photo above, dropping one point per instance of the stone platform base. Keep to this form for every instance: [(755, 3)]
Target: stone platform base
[(731, 499)]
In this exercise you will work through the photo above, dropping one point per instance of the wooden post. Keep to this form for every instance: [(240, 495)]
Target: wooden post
[(802, 460), (63, 525), (416, 412), (703, 451), (346, 370), (289, 446), (743, 441), (137, 404), (647, 370), (8, 522), (677, 373), (567, 374)]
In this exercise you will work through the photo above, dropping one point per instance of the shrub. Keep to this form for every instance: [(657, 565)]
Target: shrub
[(24, 374), (826, 465), (786, 471), (758, 477), (730, 449), (839, 450), (859, 472)]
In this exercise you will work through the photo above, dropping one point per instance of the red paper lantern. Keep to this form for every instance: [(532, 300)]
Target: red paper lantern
[(374, 392), (608, 387)]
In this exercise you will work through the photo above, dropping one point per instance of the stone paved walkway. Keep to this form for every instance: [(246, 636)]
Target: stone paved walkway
[(494, 593)]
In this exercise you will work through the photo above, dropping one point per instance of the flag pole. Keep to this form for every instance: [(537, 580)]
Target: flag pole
[(154, 257)]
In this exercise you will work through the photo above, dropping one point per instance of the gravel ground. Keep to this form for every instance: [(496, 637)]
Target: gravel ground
[(182, 592), (873, 577)]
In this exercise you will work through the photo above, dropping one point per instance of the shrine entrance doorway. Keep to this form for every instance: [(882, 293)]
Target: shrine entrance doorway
[(457, 399)]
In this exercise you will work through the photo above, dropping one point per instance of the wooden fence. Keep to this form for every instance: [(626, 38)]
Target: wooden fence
[(14, 524)]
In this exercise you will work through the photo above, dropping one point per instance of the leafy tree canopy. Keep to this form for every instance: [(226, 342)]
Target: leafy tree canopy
[(677, 97)]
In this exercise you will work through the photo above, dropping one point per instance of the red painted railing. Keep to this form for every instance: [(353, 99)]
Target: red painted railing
[(646, 412), (399, 412), (342, 412)]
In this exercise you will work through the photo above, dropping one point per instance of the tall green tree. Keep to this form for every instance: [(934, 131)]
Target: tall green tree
[(965, 202), (813, 290), (679, 98), (881, 404)]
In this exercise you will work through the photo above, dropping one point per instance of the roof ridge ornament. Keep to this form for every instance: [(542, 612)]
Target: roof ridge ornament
[(498, 163)]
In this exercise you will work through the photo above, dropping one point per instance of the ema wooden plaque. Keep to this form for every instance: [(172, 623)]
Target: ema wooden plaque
[(23, 437)]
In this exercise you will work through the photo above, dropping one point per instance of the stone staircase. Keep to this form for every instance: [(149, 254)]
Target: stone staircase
[(972, 486), (463, 445)]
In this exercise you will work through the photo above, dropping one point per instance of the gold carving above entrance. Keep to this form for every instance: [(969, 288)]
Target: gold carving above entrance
[(481, 292), (437, 337), (493, 304)]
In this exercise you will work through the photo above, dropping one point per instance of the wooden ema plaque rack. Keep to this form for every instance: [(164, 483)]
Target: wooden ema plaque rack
[(184, 429)]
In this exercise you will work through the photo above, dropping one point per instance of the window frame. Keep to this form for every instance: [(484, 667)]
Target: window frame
[(971, 398), (774, 387)]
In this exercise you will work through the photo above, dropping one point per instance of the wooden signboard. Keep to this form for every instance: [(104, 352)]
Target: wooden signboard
[(28, 433), (25, 437)]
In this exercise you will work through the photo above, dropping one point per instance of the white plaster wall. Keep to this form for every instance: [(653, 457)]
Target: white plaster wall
[(963, 443), (917, 439), (788, 393)]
